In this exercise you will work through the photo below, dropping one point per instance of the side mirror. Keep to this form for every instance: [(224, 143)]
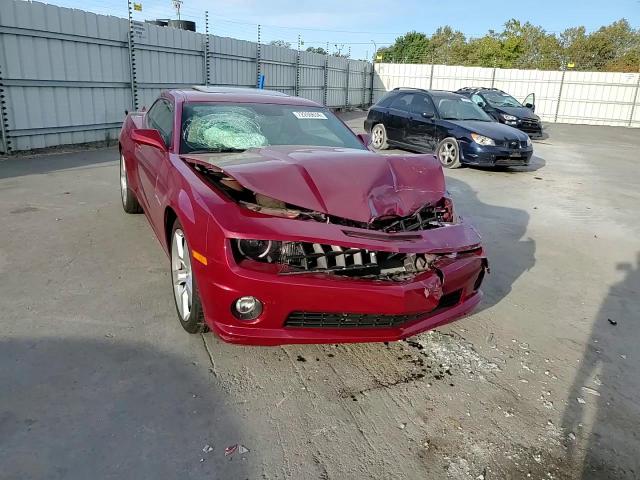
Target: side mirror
[(148, 136), (482, 104), (364, 138), (428, 115), (530, 106)]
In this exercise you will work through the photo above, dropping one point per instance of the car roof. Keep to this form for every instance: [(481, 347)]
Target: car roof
[(433, 93), (478, 89), (237, 94)]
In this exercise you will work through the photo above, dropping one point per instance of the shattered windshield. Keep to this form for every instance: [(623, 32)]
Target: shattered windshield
[(235, 127), (501, 99)]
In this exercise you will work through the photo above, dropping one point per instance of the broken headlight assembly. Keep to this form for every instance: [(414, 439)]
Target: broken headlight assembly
[(259, 250), (306, 257)]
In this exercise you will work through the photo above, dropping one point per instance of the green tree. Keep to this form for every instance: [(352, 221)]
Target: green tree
[(412, 47), (280, 43), (447, 47), (528, 46), (319, 50), (615, 47)]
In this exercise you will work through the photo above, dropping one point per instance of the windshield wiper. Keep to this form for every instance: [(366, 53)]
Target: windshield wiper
[(221, 150)]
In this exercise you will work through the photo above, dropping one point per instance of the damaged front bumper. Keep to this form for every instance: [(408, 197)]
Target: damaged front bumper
[(329, 307)]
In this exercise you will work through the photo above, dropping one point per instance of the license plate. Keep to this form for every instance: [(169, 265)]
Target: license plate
[(516, 155)]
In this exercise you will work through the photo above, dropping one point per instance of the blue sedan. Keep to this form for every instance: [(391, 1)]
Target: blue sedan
[(447, 124)]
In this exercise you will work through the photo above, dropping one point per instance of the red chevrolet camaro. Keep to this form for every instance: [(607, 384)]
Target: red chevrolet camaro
[(283, 227)]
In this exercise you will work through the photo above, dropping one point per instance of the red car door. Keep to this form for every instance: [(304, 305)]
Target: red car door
[(152, 161)]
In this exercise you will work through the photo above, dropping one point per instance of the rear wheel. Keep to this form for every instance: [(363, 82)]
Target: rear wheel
[(130, 203), (448, 153), (379, 137), (185, 289)]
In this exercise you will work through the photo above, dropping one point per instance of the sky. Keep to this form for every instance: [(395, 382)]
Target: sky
[(357, 24)]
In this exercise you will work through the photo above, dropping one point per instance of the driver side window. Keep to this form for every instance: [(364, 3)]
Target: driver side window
[(402, 102), (160, 117), (477, 99), (422, 105)]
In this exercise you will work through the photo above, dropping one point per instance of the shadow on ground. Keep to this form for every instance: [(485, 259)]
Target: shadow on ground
[(603, 407), (503, 230), (78, 409), (48, 162)]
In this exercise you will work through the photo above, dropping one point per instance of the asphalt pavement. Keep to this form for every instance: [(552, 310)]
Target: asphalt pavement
[(98, 380)]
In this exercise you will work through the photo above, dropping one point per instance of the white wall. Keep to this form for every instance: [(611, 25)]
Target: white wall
[(596, 98)]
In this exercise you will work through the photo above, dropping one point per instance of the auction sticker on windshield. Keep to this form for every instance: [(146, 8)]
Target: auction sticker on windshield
[(310, 115)]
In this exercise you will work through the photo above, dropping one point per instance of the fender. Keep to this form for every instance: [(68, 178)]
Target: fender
[(185, 208)]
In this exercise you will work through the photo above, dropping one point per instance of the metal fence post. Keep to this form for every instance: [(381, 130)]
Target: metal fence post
[(373, 72), (206, 48), (633, 105), (326, 79), (493, 77), (364, 84), (132, 61), (258, 57), (348, 72), (4, 120), (555, 118), (432, 70), (297, 87)]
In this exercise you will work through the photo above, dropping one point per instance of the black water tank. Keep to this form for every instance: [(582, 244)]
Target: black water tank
[(183, 25), (159, 22)]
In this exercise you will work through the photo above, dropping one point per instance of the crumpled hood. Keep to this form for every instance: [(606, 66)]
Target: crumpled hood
[(354, 184)]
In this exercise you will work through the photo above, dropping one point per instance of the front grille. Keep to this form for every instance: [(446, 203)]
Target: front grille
[(530, 125), (318, 256), (510, 162), (512, 144), (303, 257), (365, 320), (348, 320)]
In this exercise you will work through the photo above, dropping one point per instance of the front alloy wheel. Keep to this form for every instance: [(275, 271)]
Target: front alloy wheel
[(379, 137), (448, 153), (181, 272), (185, 290)]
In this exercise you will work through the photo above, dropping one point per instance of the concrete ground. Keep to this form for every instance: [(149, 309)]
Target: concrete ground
[(98, 380)]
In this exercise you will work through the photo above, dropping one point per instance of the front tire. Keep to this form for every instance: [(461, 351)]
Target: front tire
[(185, 288), (130, 202), (379, 137), (448, 153)]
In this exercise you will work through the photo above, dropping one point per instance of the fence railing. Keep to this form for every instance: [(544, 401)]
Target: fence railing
[(67, 76), (597, 98)]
